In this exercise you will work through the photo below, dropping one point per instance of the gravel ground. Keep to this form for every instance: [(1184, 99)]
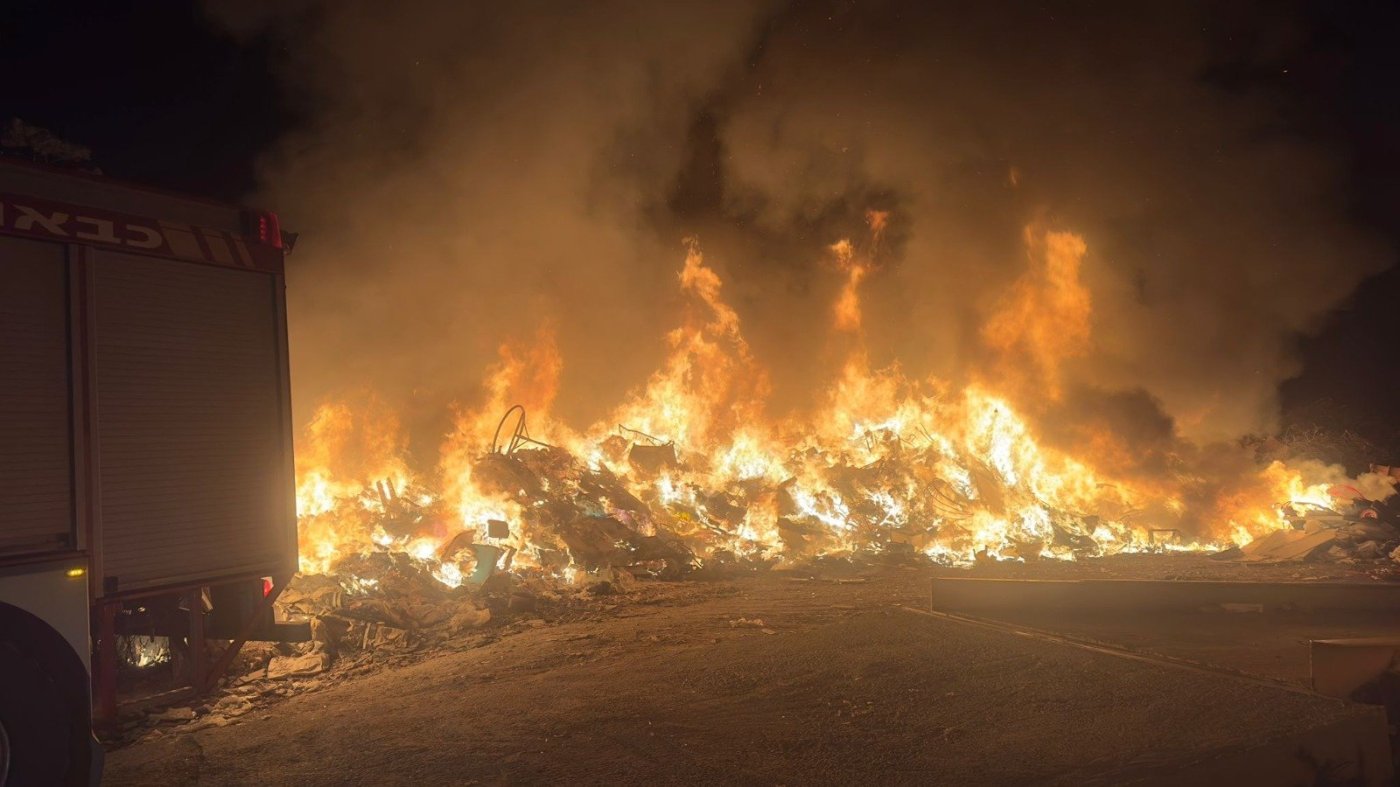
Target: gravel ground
[(765, 680)]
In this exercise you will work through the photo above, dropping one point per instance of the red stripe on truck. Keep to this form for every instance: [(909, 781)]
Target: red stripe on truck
[(38, 218)]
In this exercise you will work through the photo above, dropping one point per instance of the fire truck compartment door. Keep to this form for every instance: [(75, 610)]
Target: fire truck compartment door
[(189, 422), (36, 464)]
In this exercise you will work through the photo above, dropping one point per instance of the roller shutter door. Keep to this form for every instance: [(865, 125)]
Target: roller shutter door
[(188, 422), (36, 471)]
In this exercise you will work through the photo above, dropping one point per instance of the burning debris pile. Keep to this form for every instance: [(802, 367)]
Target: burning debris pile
[(556, 534), (690, 476), (1355, 531)]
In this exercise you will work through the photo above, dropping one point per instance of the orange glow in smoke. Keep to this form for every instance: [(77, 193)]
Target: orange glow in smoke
[(882, 461)]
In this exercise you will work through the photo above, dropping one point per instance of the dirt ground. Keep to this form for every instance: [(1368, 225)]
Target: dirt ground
[(1270, 645), (764, 680)]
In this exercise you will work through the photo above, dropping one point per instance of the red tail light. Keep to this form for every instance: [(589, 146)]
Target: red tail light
[(267, 586), (269, 229)]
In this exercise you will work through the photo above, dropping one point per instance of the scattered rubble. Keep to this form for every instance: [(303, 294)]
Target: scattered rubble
[(395, 615), (299, 666)]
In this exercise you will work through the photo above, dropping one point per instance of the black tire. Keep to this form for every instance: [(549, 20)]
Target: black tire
[(4, 755), (47, 740)]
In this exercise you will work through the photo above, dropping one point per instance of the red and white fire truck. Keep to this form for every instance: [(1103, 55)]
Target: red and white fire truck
[(146, 475)]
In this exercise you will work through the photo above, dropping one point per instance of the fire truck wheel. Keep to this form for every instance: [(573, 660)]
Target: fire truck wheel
[(4, 755), (41, 745)]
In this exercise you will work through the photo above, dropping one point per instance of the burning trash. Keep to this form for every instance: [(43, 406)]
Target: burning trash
[(689, 477)]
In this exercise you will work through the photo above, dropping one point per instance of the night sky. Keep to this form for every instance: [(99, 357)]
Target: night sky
[(158, 92), (164, 96)]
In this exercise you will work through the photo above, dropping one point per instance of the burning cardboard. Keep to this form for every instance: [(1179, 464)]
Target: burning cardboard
[(1286, 545)]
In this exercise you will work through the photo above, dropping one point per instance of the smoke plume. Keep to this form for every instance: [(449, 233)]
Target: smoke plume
[(463, 173)]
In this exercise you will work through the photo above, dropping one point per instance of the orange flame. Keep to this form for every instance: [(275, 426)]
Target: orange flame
[(1045, 318), (880, 462), (709, 383)]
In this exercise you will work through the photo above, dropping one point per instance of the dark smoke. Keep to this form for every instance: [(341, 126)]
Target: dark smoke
[(466, 170)]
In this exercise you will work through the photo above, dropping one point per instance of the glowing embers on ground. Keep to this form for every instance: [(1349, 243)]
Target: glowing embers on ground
[(691, 473)]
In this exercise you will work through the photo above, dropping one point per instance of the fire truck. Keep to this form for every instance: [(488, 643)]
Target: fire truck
[(146, 474)]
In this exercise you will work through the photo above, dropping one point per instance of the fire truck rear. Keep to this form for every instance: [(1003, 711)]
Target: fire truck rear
[(146, 475)]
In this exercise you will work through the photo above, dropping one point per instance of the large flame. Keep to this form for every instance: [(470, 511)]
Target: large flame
[(1044, 320), (881, 462), (710, 384)]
